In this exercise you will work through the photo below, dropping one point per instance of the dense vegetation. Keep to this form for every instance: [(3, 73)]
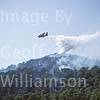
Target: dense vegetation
[(90, 92)]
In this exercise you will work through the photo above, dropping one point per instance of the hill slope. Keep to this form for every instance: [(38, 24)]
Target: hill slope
[(54, 61)]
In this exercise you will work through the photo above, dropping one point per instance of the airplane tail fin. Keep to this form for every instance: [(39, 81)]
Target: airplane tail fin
[(46, 33)]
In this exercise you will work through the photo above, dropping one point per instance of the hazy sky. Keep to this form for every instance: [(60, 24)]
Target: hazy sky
[(18, 35)]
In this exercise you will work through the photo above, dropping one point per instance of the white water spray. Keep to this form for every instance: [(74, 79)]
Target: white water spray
[(67, 43)]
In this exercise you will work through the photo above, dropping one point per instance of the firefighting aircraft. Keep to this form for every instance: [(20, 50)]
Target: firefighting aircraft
[(43, 35)]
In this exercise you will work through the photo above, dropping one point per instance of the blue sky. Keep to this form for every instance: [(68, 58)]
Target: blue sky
[(18, 36)]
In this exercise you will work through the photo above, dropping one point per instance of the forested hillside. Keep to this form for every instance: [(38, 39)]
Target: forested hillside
[(90, 92)]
